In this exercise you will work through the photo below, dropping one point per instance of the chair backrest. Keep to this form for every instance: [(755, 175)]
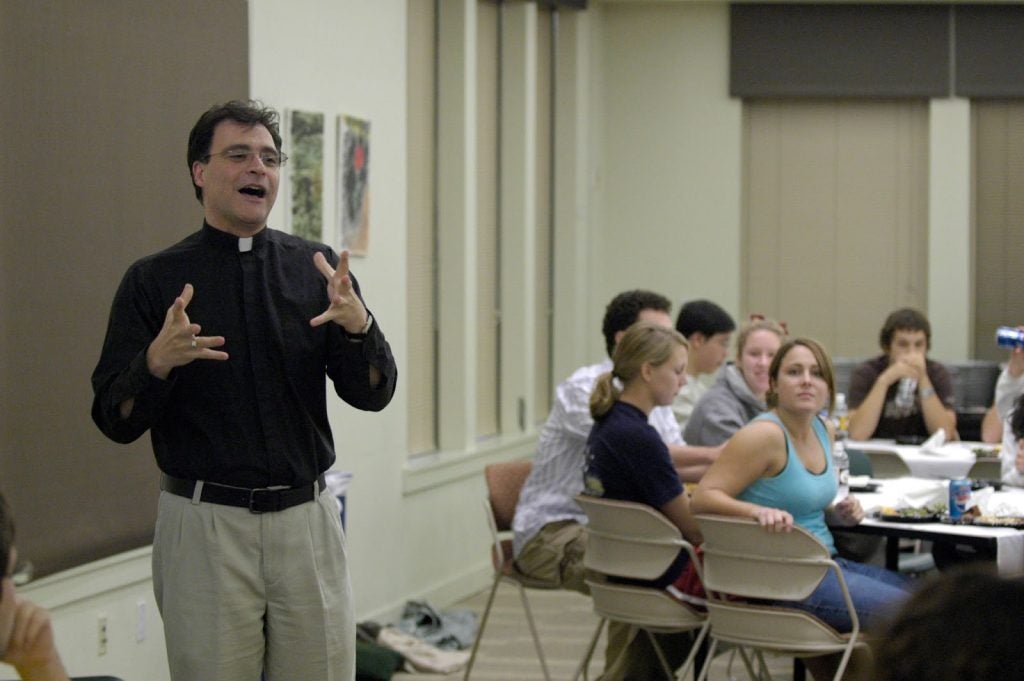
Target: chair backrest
[(986, 469), (742, 559), (887, 464), (504, 481), (860, 464), (627, 539)]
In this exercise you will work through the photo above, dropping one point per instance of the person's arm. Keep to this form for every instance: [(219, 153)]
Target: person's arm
[(30, 648), (758, 450), (991, 426), (145, 338), (360, 363), (692, 462), (936, 398), (864, 415), (1010, 383), (679, 512)]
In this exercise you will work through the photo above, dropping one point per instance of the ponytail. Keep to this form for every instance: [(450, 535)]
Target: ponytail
[(604, 396)]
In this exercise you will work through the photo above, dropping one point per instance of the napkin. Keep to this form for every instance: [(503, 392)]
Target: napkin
[(908, 493), (933, 444), (1002, 504)]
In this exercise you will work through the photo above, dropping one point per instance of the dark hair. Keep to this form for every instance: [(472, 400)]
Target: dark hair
[(904, 319), (643, 343), (625, 309), (6, 535), (965, 627), (704, 317), (824, 366), (1017, 418), (247, 112)]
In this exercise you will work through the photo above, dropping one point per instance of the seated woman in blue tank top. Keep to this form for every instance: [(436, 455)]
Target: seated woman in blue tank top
[(778, 471)]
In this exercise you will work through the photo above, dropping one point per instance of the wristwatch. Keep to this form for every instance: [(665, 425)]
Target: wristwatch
[(358, 337), (927, 392)]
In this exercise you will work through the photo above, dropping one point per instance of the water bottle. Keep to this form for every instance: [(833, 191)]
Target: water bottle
[(1009, 337), (841, 416), (841, 462), (905, 393)]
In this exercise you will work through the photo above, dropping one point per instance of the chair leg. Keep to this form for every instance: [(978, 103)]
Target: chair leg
[(483, 624), (581, 671), (707, 660), (684, 670), (843, 662), (661, 656), (533, 631)]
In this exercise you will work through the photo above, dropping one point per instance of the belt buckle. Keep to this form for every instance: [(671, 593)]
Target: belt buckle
[(255, 507)]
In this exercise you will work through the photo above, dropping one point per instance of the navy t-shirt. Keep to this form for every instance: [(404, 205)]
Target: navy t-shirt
[(627, 460)]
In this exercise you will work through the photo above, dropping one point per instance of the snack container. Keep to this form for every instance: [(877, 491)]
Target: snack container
[(959, 497)]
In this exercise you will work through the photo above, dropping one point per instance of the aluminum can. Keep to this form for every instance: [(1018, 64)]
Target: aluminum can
[(959, 497), (905, 391), (1009, 337)]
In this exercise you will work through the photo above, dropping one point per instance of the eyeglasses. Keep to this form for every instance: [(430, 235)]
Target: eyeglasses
[(269, 158)]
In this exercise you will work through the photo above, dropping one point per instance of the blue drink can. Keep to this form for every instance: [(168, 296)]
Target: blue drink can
[(959, 497), (1009, 337)]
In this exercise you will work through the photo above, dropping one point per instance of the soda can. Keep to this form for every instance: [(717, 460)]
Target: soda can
[(1009, 337), (959, 497)]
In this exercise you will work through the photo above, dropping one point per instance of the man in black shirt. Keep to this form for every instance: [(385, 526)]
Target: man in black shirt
[(221, 346)]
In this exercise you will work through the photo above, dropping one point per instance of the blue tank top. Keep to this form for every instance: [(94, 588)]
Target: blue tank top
[(797, 490)]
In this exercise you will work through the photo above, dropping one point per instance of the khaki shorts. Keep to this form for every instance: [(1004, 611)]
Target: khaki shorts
[(555, 555)]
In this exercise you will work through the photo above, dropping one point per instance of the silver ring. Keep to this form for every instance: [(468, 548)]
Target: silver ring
[(194, 344)]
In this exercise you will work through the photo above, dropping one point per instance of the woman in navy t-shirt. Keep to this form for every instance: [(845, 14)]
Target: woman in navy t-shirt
[(626, 458)]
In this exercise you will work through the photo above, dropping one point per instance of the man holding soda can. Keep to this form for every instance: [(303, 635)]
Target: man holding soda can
[(901, 394)]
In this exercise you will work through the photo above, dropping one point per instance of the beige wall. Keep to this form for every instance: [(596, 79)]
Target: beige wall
[(665, 187)]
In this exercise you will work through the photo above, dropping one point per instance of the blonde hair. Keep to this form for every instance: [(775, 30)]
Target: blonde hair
[(643, 343), (824, 366), (758, 323)]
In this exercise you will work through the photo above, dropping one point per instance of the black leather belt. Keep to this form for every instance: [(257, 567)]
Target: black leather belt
[(259, 500)]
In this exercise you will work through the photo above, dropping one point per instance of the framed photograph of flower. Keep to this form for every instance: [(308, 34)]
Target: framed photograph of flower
[(354, 183)]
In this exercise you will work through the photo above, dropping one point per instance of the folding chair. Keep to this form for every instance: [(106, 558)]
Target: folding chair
[(742, 560), (634, 541), (887, 464), (504, 481), (986, 469)]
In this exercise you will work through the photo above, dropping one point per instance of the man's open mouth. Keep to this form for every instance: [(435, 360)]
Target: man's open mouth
[(259, 192)]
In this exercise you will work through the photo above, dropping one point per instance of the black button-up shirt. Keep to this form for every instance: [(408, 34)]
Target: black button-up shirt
[(260, 417)]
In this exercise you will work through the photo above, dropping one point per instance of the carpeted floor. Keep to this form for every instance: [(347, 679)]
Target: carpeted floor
[(566, 623)]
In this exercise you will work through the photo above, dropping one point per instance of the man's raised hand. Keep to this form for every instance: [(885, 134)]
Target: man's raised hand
[(345, 306), (179, 342)]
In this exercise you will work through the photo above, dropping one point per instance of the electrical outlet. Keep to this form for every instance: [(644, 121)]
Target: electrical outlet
[(140, 621), (101, 634)]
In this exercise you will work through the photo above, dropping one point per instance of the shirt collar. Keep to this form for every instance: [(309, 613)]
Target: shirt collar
[(223, 240)]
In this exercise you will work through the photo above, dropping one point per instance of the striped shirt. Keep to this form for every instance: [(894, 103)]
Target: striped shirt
[(557, 474)]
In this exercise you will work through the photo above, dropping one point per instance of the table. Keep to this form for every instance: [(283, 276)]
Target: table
[(1007, 544), (951, 460)]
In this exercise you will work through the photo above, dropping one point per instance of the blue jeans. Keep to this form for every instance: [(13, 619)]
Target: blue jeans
[(875, 591)]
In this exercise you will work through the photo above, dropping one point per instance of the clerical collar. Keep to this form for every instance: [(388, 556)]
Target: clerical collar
[(223, 239)]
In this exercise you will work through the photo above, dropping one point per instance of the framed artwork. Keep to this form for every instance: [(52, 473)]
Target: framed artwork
[(354, 183), (306, 174)]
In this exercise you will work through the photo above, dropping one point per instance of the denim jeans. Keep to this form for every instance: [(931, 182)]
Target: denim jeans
[(875, 591)]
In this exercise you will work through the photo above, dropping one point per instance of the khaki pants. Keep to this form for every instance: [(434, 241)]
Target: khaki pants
[(555, 555), (242, 593)]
